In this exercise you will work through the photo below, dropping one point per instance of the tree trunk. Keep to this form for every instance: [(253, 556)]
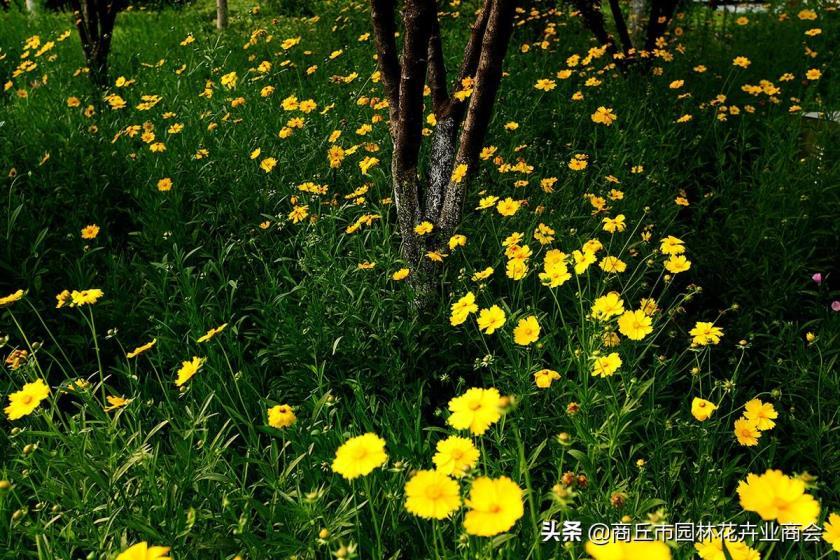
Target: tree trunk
[(433, 195), (221, 14), (31, 6), (95, 21)]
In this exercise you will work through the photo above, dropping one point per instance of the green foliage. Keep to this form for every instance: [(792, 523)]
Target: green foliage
[(200, 470)]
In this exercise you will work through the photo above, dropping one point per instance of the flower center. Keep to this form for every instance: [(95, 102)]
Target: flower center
[(27, 399)]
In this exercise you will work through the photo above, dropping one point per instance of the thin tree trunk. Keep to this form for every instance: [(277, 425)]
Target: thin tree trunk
[(221, 14)]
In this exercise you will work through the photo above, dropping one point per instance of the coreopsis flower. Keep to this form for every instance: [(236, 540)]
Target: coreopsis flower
[(400, 274), (90, 232), (423, 228), (483, 274), (672, 246), (704, 334), (17, 358), (554, 274), (635, 325), (612, 265), (299, 213), (230, 80), (831, 531), (432, 495), (604, 115), (606, 306), (24, 402), (617, 224), (494, 505), (281, 416), (491, 319), (605, 366), (78, 298), (677, 263), (456, 241), (775, 496), (628, 550), (545, 377), (268, 164), (358, 456), (475, 410), (8, 300), (367, 163), (527, 331), (702, 409), (459, 172), (508, 207), (115, 402), (545, 84), (462, 308), (455, 456), (140, 349), (711, 548), (761, 414), (142, 551), (211, 333), (747, 432), (188, 369), (741, 61), (487, 202), (164, 185)]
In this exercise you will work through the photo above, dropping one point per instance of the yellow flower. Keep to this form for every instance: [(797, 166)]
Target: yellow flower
[(761, 414), (23, 402), (423, 228), (702, 409), (462, 308), (612, 265), (712, 548), (631, 550), (487, 202), (459, 172), (281, 416), (85, 297), (813, 74), (140, 349), (705, 333), (746, 431), (476, 410), (545, 84), (544, 377), (455, 456), (527, 331), (508, 207), (677, 263), (367, 163), (607, 306), (741, 61), (90, 232), (483, 274), (775, 496), (606, 366), (831, 532), (616, 224), (165, 184), (212, 332), (268, 164), (115, 402), (457, 241), (494, 506), (8, 300), (489, 320), (672, 246), (635, 325), (400, 274), (188, 369), (142, 551), (358, 456), (432, 495), (604, 115), (583, 260), (299, 213)]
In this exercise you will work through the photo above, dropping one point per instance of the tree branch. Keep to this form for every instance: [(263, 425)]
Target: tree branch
[(384, 29)]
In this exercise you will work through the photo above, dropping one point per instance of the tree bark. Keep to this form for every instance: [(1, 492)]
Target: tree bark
[(95, 20), (221, 14), (432, 195)]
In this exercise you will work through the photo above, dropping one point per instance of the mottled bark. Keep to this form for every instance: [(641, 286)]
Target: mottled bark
[(430, 194), (95, 21)]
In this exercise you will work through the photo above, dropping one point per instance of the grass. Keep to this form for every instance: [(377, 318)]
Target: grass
[(200, 470)]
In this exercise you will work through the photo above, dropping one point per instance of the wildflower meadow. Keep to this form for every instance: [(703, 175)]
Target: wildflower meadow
[(465, 279)]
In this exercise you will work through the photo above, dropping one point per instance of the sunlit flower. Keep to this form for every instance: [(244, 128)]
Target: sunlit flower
[(475, 410), (494, 506), (359, 456), (432, 495), (24, 402), (281, 416)]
